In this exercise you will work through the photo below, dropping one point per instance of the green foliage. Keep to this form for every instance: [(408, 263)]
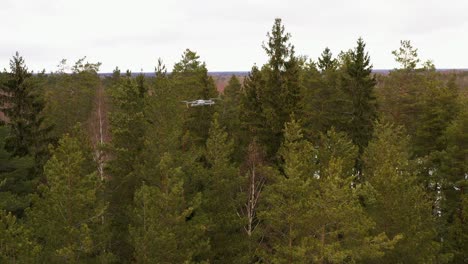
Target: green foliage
[(325, 104), (162, 230), (69, 98), (82, 66), (22, 104), (438, 108), (399, 205), (280, 96), (67, 217), (455, 202), (28, 136), (406, 55), (314, 218), (337, 145), (191, 81), (128, 126), (231, 112), (275, 93), (248, 185), (358, 84), (16, 245), (326, 61), (221, 198), (16, 183), (251, 117)]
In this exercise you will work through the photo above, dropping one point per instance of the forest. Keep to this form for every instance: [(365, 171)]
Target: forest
[(305, 160)]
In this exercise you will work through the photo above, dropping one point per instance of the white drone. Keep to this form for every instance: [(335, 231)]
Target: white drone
[(200, 102)]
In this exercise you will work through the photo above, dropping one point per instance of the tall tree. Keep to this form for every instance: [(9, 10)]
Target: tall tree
[(221, 198), (406, 55), (323, 101), (163, 229), (280, 95), (315, 216), (255, 173), (69, 97), (454, 168), (15, 181), (191, 80), (439, 106), (400, 206), (22, 104), (252, 120), (67, 218), (231, 99), (358, 84), (128, 125)]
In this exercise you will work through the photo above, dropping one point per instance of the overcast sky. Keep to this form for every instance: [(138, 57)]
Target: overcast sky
[(227, 35)]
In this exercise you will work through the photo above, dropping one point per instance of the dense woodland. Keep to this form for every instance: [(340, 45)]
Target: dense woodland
[(305, 161)]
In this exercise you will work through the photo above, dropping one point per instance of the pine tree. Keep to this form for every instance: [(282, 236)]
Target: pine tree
[(163, 229), (252, 120), (164, 114), (69, 98), (439, 106), (406, 55), (337, 145), (128, 126), (315, 216), (221, 198), (191, 80), (454, 168), (16, 245), (399, 206), (231, 107), (67, 218), (358, 83)]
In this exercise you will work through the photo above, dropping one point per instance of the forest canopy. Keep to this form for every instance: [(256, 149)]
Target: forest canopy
[(301, 161)]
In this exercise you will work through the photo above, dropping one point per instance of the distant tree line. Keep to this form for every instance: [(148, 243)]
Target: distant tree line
[(306, 161)]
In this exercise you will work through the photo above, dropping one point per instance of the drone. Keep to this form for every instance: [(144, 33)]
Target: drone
[(200, 102)]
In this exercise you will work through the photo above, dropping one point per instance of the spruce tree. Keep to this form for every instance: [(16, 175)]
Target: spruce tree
[(326, 61), (357, 82), (323, 99), (22, 104), (280, 95), (15, 180)]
